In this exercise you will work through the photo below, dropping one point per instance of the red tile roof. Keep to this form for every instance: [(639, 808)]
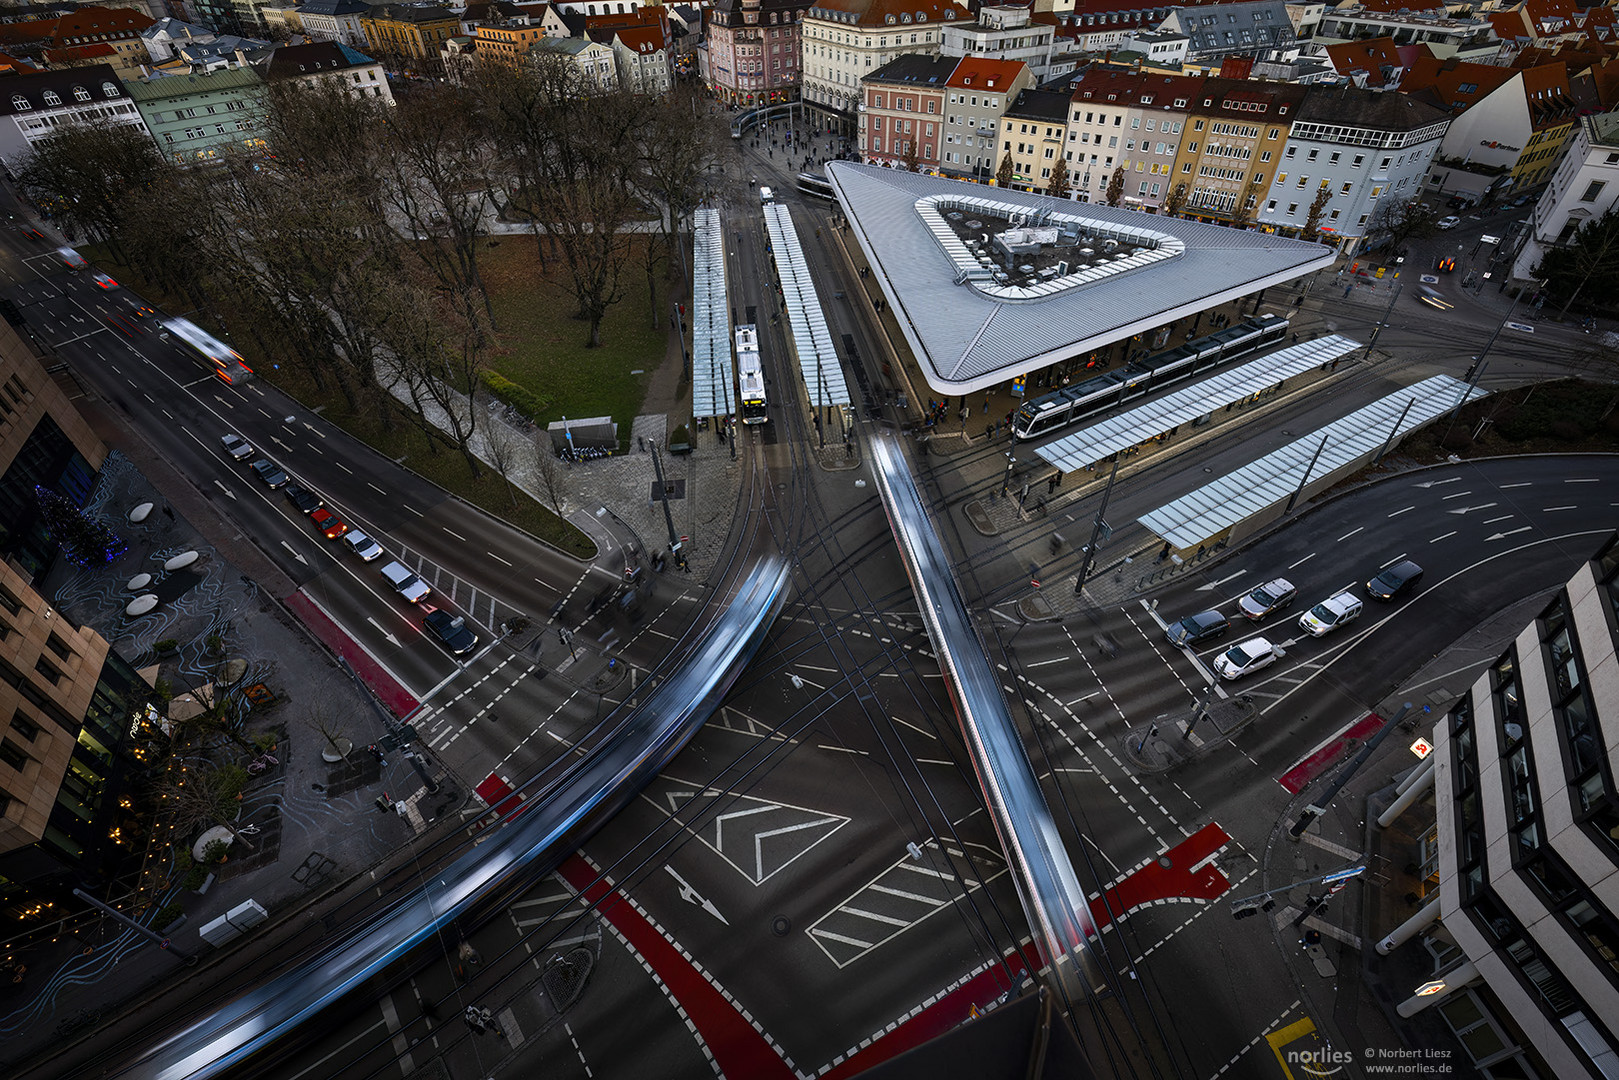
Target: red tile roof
[(984, 74), (1369, 56)]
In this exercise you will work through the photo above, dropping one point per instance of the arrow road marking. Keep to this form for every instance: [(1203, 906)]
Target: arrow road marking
[(1436, 483), (692, 896), (1470, 509), (1222, 581), (295, 553), (225, 489), (391, 639), (1504, 535)]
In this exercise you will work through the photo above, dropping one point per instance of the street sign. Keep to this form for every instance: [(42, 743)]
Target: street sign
[(1487, 239), (1422, 748), (1524, 328), (1343, 875)]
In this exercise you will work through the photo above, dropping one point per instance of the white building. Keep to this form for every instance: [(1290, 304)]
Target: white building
[(597, 63), (1583, 188), (1002, 33), (1160, 48), (35, 107), (1360, 146), (643, 60), (979, 91), (843, 41), (334, 20), (1518, 816), (164, 36)]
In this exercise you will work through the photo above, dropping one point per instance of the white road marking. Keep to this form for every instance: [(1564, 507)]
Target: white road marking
[(1397, 513), (1350, 533)]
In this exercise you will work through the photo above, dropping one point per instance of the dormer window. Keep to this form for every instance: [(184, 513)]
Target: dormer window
[(51, 98), (921, 16), (108, 90), (21, 104), (891, 19), (80, 94)]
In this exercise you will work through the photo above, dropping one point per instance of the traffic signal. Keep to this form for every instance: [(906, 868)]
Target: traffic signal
[(1245, 911)]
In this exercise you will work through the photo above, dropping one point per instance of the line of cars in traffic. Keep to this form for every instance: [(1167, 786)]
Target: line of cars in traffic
[(447, 629), (1396, 580)]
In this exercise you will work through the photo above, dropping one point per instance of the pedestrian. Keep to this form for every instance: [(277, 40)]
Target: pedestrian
[(168, 513), (1164, 554), (1200, 551), (1349, 289), (474, 1019), (986, 404)]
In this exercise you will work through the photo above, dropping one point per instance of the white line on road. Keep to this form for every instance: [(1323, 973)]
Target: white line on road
[(1513, 532), (1302, 561), (1350, 533), (913, 727), (374, 487), (1503, 517), (1043, 663), (491, 554), (1504, 487), (1458, 495), (453, 533), (841, 749), (933, 761), (1581, 480), (1397, 513), (1447, 536)]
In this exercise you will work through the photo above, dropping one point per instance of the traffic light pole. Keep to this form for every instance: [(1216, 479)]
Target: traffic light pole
[(1096, 529), (1245, 906), (1319, 807)]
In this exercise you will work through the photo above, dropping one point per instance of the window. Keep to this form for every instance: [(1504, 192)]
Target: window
[(51, 98), (1303, 180), (1270, 206), (1314, 153), (1292, 208), (1333, 160), (109, 90), (1593, 191), (24, 727), (1197, 125), (20, 103), (12, 754), (80, 94), (1344, 190)]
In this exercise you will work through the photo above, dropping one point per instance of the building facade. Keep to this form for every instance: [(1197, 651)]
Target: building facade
[(1359, 146), (642, 56), (1257, 28), (1130, 122), (1002, 33), (410, 35), (1525, 845), (1033, 134), (753, 50), (1232, 145), (846, 40), (1584, 187), (34, 106), (507, 40), (198, 118), (1445, 36), (596, 62), (360, 75), (334, 20), (902, 121), (977, 93)]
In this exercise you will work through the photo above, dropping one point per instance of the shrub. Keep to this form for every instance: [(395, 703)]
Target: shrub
[(214, 852), (166, 646), (680, 435), (521, 398), (167, 914), (214, 644), (194, 878)]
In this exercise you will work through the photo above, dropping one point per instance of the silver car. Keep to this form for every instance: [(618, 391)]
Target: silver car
[(237, 447), (362, 545)]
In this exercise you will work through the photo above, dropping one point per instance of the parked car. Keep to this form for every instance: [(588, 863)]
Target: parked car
[(1196, 629), (236, 446), (451, 630), (1450, 221), (303, 498), (362, 545), (1397, 580), (328, 523), (1246, 658), (1331, 613), (1268, 599), (405, 583), (269, 472)]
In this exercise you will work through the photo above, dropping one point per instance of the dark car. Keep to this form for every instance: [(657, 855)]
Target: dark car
[(303, 498), (269, 472), (451, 630), (1196, 629), (1397, 580)]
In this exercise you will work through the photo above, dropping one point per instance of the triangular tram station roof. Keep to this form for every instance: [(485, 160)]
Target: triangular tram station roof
[(988, 284)]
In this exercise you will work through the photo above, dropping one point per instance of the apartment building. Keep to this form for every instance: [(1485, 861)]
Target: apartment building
[(1464, 37), (1003, 33), (1584, 187), (1232, 144), (1033, 136), (1257, 28), (977, 94), (1521, 932), (902, 122), (753, 50), (846, 40), (1122, 121), (1361, 147)]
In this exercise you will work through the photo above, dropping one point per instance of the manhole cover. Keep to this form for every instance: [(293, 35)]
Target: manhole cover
[(781, 926), (1165, 861)]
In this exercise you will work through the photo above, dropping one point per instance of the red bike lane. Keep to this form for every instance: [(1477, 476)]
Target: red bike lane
[(389, 691)]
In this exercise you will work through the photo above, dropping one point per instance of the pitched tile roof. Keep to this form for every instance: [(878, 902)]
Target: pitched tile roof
[(891, 12), (982, 73)]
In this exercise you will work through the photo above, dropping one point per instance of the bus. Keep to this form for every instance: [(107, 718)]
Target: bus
[(218, 356), (815, 184), (751, 374), (1064, 407)]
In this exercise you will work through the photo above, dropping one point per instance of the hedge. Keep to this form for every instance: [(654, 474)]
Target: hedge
[(522, 398)]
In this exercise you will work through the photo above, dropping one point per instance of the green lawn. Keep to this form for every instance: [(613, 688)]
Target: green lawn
[(543, 348), (442, 466)]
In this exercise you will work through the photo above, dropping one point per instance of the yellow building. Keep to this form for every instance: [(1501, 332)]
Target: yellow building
[(409, 33), (1232, 144)]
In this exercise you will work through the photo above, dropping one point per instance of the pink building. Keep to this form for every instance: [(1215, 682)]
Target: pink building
[(753, 51), (904, 110)]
